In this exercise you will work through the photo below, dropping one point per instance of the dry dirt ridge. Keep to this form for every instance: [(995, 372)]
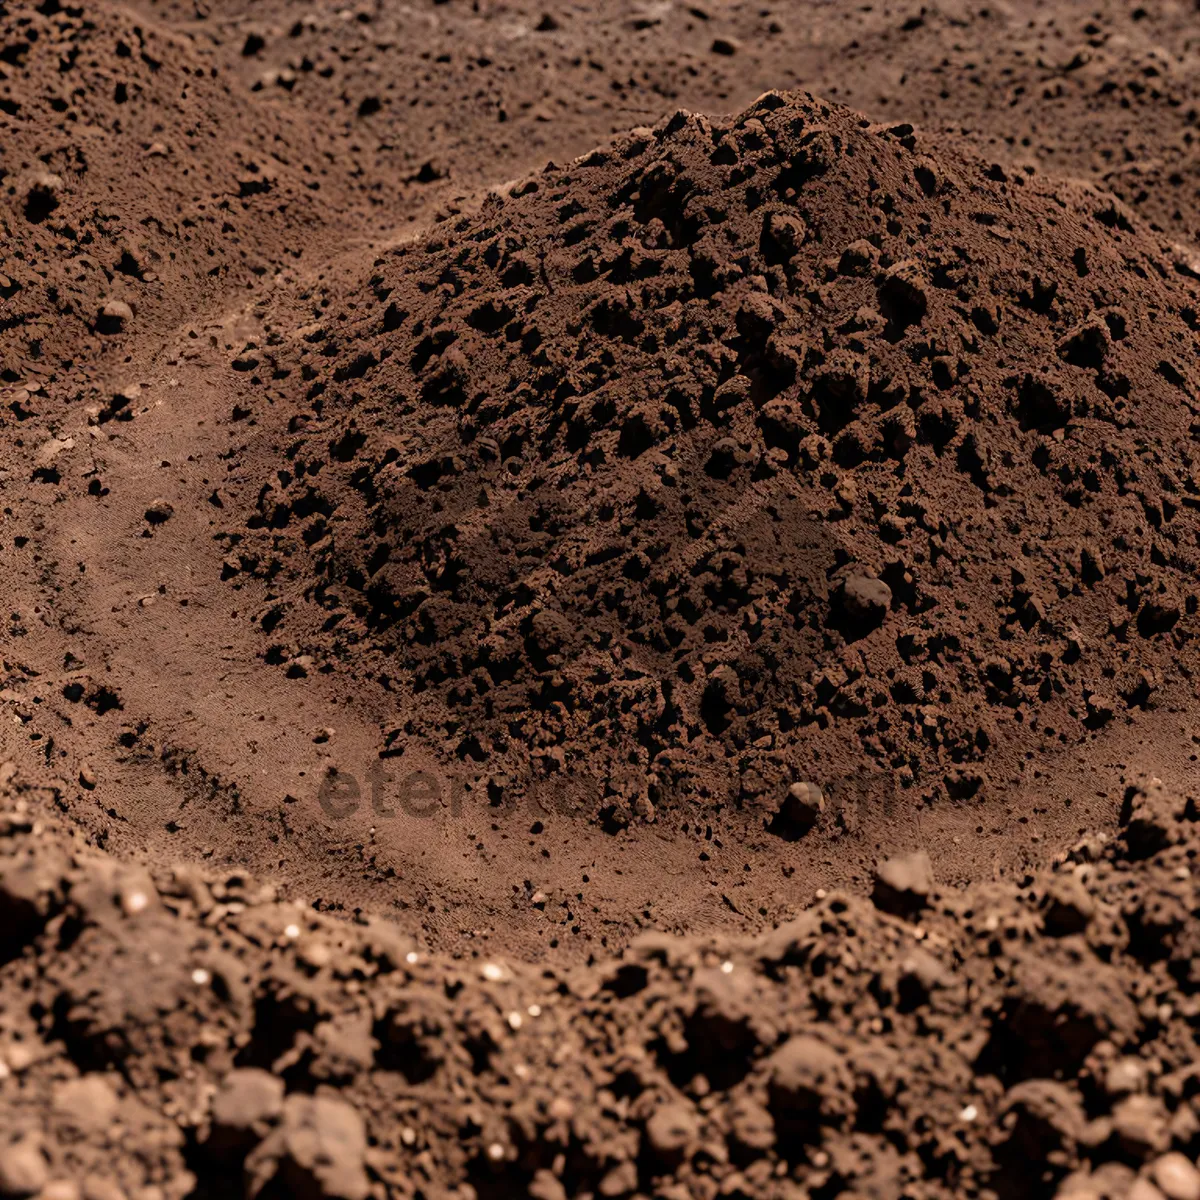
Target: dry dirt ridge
[(171, 1036)]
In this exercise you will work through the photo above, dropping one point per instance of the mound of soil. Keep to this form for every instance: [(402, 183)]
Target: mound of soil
[(186, 1035), (742, 455)]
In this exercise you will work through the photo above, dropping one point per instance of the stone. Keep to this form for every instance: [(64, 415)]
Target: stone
[(247, 1105), (23, 1170), (159, 512), (115, 316), (88, 1104), (1140, 1126), (1068, 907), (810, 1080), (903, 884), (1176, 1176), (671, 1129), (317, 1152), (800, 810)]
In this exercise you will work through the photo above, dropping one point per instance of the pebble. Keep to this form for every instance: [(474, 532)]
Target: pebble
[(319, 1149), (545, 1186), (621, 1180), (115, 316), (159, 512), (1140, 1125), (1125, 1076), (134, 901), (866, 597), (88, 1104), (809, 1076), (800, 811), (23, 1170), (61, 1189), (249, 1101), (1176, 1176), (96, 1187), (1142, 1189), (671, 1129), (903, 884)]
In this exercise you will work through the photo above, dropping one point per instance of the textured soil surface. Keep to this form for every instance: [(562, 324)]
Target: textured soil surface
[(598, 600)]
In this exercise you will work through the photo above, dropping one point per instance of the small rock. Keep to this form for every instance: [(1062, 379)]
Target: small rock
[(1124, 1077), (671, 1129), (860, 605), (247, 1105), (61, 1189), (23, 1169), (1101, 706), (546, 1186), (903, 884), (920, 976), (751, 1126), (96, 1187), (1140, 1126), (866, 596), (1068, 907), (318, 1152), (1111, 1181), (810, 1081), (1043, 1118), (800, 811), (49, 450), (858, 258), (42, 198), (786, 231), (1176, 1176), (1143, 1189), (1149, 816), (621, 1180), (115, 316), (88, 1105), (160, 512), (903, 295)]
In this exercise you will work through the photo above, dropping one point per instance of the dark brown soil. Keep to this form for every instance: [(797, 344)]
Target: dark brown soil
[(667, 674), (738, 456), (194, 1035)]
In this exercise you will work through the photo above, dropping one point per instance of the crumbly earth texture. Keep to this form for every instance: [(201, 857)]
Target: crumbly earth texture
[(887, 475), (176, 1034), (668, 674), (202, 208)]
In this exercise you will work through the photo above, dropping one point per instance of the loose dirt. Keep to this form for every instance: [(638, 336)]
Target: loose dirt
[(668, 671)]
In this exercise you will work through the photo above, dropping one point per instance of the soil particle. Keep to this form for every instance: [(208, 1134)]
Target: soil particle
[(317, 1153), (903, 884)]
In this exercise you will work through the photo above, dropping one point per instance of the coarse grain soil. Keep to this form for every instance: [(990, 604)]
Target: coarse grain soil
[(598, 600)]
